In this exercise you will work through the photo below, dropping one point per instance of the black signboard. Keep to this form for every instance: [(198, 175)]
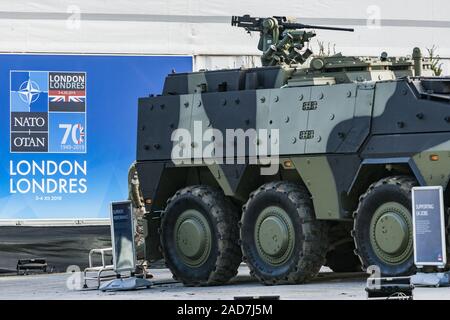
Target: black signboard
[(122, 235), (428, 222)]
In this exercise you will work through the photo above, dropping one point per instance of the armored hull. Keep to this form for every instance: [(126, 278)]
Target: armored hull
[(352, 136)]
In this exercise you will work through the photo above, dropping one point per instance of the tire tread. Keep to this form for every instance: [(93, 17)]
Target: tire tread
[(315, 236), (226, 217), (405, 183)]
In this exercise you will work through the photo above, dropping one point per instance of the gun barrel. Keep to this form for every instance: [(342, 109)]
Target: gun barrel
[(289, 25), (255, 24)]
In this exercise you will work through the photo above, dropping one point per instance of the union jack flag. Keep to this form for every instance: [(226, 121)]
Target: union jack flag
[(67, 99), (80, 139), (67, 96)]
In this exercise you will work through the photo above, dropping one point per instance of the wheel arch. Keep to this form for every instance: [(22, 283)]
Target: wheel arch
[(447, 195), (158, 181), (374, 169)]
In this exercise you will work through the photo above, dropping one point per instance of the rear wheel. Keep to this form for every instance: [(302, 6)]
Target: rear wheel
[(199, 236), (281, 240), (383, 231)]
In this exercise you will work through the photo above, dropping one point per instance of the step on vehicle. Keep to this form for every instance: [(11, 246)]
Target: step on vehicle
[(350, 137)]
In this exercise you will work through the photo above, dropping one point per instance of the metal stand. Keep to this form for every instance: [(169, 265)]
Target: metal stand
[(435, 279), (130, 283), (430, 252), (395, 288), (99, 270), (123, 250)]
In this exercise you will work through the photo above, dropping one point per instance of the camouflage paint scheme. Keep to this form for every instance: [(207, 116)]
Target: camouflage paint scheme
[(371, 116)]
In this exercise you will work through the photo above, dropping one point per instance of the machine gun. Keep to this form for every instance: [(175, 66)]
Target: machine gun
[(281, 41)]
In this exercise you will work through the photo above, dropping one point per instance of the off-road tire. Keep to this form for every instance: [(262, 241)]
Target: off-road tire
[(225, 254), (310, 243), (391, 189)]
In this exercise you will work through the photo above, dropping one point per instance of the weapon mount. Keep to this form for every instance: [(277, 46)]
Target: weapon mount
[(281, 41)]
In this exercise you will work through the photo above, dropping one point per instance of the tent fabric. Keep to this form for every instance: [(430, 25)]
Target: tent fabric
[(60, 246), (202, 27)]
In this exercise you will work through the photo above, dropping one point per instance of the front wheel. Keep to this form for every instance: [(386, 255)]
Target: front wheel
[(199, 236), (383, 231)]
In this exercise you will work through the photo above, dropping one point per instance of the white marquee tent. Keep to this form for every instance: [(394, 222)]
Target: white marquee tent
[(202, 27)]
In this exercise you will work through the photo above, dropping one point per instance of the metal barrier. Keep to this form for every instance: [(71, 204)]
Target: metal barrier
[(98, 270)]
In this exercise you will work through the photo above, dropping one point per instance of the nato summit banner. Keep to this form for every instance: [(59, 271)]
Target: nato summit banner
[(68, 130), (41, 104)]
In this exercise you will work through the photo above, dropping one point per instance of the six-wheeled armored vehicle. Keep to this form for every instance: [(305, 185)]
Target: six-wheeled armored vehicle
[(324, 153)]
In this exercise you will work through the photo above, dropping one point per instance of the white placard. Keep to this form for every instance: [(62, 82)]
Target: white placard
[(428, 226)]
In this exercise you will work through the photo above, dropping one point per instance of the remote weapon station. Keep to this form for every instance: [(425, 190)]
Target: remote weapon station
[(332, 146)]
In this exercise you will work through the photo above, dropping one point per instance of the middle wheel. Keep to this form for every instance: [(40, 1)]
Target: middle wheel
[(281, 240)]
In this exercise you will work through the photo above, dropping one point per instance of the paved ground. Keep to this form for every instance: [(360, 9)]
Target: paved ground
[(327, 285)]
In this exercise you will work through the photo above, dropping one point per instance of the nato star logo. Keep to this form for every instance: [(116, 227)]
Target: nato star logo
[(29, 92)]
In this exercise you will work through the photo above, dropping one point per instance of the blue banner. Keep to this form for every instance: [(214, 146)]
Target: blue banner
[(68, 130)]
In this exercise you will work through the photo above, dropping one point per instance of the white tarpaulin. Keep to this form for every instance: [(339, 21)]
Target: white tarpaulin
[(202, 27)]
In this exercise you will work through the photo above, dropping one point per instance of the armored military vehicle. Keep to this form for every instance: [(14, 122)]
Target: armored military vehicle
[(349, 137)]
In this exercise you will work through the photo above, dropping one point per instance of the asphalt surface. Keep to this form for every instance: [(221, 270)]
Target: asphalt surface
[(328, 285)]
